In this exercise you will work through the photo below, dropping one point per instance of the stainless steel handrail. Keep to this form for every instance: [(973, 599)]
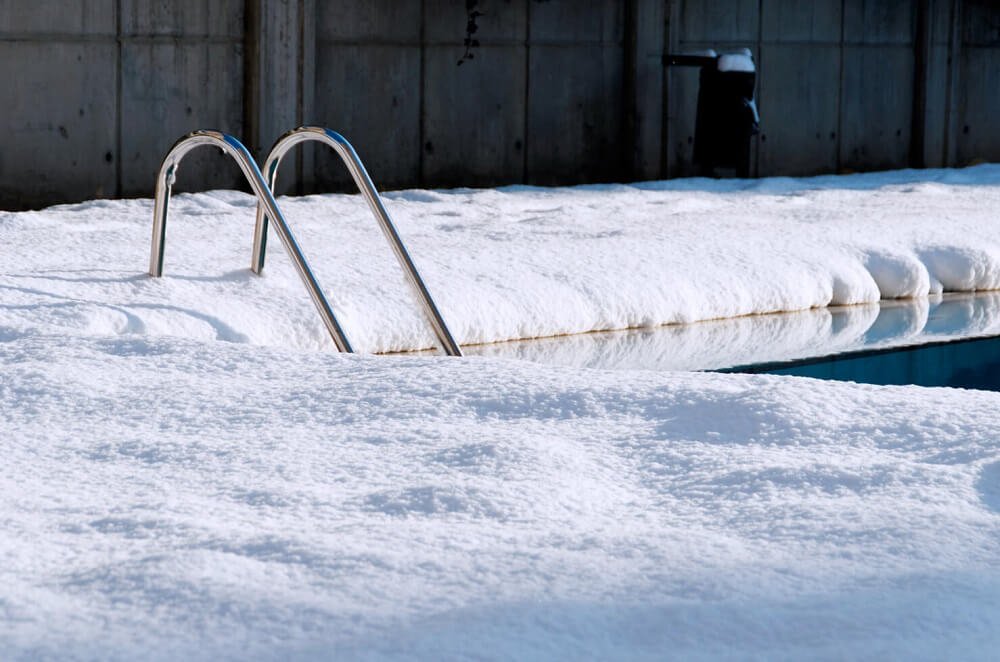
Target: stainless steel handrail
[(367, 188), (265, 200)]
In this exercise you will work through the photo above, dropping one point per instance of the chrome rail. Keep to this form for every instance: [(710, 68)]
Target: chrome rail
[(367, 188), (265, 200)]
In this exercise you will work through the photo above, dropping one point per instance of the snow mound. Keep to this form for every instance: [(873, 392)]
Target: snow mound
[(190, 473), (172, 499), (519, 262)]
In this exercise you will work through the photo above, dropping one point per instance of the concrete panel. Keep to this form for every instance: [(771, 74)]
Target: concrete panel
[(645, 86), (370, 94), (718, 20), (80, 18), (793, 20), (876, 106), (474, 117), (682, 104), (939, 13), (277, 49), (798, 98), (577, 21), (373, 21), (187, 18), (274, 96), (169, 89), (57, 122), (575, 130), (935, 124), (977, 138), (980, 23), (879, 21), (306, 161), (502, 22)]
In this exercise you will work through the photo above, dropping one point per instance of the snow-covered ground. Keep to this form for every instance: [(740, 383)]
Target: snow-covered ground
[(190, 472), (510, 263)]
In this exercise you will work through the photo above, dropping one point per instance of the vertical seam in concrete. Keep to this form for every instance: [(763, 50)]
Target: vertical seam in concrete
[(954, 54), (921, 63), (840, 88), (300, 79), (300, 65), (629, 138), (664, 92), (251, 76), (422, 110), (671, 20), (120, 62), (946, 142), (661, 170), (760, 78), (307, 88), (525, 175)]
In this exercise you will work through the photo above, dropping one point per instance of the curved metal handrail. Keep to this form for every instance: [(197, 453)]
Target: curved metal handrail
[(234, 148), (367, 188)]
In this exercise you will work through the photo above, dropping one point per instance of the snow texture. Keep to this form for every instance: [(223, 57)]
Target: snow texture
[(736, 62), (518, 262), (189, 471)]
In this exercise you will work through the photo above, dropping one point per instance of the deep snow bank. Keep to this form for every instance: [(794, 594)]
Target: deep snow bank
[(509, 263), (189, 472), (171, 499)]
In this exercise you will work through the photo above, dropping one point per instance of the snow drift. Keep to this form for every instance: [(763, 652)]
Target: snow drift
[(511, 263), (190, 473)]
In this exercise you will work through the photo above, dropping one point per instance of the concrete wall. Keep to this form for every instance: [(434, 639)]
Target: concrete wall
[(559, 91), (976, 92), (540, 101), (98, 90), (848, 85)]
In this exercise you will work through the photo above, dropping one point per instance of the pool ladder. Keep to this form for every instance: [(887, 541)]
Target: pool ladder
[(268, 213)]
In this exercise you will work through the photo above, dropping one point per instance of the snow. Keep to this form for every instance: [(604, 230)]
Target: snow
[(190, 472), (741, 61), (547, 261), (173, 498)]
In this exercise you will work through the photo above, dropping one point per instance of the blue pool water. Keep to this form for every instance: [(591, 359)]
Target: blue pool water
[(971, 363)]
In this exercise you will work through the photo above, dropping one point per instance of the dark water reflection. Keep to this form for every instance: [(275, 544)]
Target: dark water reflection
[(766, 339)]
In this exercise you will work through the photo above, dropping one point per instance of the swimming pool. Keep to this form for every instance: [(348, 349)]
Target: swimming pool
[(949, 340)]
